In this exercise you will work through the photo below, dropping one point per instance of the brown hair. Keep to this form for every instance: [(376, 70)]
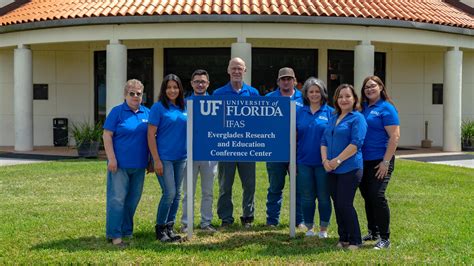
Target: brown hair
[(355, 106), (383, 93)]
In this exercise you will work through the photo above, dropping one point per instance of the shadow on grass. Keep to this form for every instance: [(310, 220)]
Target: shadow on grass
[(259, 241)]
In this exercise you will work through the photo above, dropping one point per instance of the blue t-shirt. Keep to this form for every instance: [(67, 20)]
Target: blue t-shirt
[(310, 128), (297, 97), (350, 130), (378, 116), (171, 131), (227, 89), (130, 135)]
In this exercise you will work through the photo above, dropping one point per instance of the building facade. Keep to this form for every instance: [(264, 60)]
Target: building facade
[(71, 59)]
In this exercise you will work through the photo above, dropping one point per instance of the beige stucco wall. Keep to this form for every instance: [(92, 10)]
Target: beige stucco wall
[(67, 71)]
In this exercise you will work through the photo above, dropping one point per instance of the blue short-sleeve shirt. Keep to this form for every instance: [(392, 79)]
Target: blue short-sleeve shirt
[(130, 135), (297, 97), (310, 128), (350, 130), (171, 131), (378, 116), (227, 89)]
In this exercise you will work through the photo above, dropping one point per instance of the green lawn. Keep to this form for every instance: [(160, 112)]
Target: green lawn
[(55, 213)]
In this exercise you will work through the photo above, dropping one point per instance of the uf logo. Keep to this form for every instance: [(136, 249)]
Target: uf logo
[(211, 108)]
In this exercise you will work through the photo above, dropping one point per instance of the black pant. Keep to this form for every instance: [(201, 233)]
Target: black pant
[(343, 188), (376, 205)]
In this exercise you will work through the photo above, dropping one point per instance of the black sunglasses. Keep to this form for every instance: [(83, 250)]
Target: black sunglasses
[(133, 94)]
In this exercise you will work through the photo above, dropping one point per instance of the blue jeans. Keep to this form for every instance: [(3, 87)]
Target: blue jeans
[(124, 190), (170, 183), (276, 177), (312, 185), (343, 188)]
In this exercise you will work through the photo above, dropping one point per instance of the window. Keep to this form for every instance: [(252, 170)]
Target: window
[(437, 94), (40, 91), (184, 61), (267, 61), (139, 66), (341, 70)]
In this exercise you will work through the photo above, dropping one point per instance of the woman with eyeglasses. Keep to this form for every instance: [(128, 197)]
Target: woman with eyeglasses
[(126, 147), (167, 143), (379, 157), (342, 158)]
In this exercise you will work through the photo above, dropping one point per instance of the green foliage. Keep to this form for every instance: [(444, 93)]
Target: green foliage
[(86, 132), (467, 132), (54, 213)]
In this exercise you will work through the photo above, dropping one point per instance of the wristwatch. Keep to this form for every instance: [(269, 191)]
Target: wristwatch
[(338, 161), (387, 163)]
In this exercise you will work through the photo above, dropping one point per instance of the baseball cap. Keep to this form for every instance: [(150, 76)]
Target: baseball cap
[(286, 72)]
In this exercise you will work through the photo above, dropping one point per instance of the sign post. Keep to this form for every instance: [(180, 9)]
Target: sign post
[(245, 129)]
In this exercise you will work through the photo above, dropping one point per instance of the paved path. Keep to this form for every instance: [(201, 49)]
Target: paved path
[(7, 161), (452, 158)]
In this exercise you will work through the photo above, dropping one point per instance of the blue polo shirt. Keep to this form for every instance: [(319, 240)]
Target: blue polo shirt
[(228, 90), (310, 128), (297, 97), (378, 116), (351, 130), (171, 131), (130, 135)]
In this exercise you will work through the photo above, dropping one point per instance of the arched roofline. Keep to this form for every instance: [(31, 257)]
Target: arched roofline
[(237, 19)]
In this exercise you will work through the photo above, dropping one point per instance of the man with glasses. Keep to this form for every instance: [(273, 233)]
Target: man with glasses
[(226, 175), (277, 171), (207, 169)]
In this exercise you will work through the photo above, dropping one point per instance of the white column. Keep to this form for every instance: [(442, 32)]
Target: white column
[(364, 55), (23, 98), (116, 75), (452, 91), (322, 65), (243, 50)]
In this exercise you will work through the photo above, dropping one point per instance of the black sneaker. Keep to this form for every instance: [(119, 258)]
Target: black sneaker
[(209, 229), (382, 244), (370, 237), (160, 232)]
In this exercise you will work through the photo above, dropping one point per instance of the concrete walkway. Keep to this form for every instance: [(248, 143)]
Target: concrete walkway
[(42, 154), (447, 158)]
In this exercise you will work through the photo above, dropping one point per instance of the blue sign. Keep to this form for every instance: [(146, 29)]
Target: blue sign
[(247, 129)]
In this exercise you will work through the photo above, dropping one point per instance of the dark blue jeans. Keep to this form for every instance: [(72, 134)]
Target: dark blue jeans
[(343, 189), (276, 177)]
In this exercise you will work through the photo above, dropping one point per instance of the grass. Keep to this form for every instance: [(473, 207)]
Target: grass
[(55, 213)]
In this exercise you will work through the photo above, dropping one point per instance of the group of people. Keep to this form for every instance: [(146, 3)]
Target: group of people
[(338, 150)]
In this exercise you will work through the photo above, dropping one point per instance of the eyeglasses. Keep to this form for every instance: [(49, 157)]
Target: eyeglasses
[(373, 85), (133, 94), (202, 82)]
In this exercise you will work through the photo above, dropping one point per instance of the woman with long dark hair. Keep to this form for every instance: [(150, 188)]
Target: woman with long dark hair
[(379, 157), (167, 143)]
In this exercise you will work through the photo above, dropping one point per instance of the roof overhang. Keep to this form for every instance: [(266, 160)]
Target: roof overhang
[(236, 19)]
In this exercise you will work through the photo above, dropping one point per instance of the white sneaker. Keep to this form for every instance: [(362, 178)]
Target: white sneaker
[(323, 234), (310, 233), (302, 227)]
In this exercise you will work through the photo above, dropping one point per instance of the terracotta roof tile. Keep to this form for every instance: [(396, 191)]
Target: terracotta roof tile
[(428, 11)]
